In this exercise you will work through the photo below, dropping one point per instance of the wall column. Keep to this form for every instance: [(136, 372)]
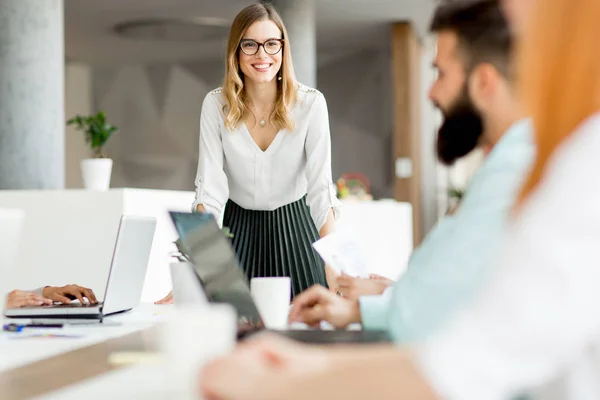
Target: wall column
[(300, 21), (406, 84), (32, 116)]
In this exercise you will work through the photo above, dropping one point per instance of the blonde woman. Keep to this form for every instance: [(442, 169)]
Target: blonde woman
[(265, 155)]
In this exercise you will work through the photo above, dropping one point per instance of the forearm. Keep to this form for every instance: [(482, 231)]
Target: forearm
[(327, 228), (200, 208), (370, 372), (329, 225)]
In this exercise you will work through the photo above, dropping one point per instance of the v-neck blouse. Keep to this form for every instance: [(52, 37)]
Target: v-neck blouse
[(296, 163)]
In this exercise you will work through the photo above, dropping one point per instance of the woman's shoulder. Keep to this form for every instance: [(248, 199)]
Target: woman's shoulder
[(214, 99), (304, 90), (308, 95), (216, 96)]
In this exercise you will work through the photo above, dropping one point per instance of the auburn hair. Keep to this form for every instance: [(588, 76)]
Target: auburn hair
[(559, 74)]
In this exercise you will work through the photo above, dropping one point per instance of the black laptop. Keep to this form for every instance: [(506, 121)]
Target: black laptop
[(223, 281)]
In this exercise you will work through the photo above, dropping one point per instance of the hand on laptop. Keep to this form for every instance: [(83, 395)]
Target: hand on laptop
[(65, 294), (21, 298), (168, 299), (352, 288), (319, 304)]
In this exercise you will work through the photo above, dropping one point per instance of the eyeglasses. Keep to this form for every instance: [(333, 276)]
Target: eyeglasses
[(271, 46)]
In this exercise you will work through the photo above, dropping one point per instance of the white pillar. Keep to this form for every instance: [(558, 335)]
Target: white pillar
[(32, 117), (300, 21), (78, 100)]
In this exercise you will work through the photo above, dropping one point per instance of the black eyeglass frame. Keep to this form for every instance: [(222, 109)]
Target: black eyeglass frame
[(259, 45)]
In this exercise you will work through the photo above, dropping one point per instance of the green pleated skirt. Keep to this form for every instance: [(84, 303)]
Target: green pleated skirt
[(276, 243)]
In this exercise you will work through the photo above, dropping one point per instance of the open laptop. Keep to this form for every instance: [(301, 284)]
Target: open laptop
[(125, 278), (223, 281)]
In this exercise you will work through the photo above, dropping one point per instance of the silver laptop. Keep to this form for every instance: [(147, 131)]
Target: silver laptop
[(125, 278)]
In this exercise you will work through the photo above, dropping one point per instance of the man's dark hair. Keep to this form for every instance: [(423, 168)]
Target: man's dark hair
[(482, 29)]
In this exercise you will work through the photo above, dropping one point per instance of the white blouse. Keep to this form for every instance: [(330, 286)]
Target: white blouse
[(538, 320), (297, 163)]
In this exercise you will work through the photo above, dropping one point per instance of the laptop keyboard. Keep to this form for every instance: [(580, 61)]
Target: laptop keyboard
[(73, 305)]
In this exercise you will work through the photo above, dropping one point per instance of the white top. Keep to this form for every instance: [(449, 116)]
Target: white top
[(297, 163), (538, 320)]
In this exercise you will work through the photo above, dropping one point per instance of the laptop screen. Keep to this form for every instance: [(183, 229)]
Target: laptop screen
[(216, 266), (185, 222)]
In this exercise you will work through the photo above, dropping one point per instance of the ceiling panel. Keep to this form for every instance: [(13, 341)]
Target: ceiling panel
[(342, 25)]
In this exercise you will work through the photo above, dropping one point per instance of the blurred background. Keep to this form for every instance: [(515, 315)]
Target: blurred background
[(149, 63)]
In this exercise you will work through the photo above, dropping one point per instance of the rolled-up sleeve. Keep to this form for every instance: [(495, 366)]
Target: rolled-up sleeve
[(374, 310), (321, 195), (212, 190)]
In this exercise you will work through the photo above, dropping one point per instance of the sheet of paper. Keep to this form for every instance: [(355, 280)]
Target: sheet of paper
[(344, 253)]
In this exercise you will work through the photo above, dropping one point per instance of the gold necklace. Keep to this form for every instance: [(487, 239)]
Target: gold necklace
[(262, 121)]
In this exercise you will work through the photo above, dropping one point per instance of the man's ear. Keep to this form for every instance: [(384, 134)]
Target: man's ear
[(483, 82)]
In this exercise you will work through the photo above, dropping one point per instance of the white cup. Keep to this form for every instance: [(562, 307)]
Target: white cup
[(11, 225), (272, 297), (191, 337)]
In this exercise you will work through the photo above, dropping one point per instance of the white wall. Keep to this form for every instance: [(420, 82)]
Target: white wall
[(78, 100)]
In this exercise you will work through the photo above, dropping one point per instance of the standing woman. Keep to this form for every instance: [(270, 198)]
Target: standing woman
[(265, 156)]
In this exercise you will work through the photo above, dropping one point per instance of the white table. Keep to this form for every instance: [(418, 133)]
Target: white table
[(144, 381), (18, 349)]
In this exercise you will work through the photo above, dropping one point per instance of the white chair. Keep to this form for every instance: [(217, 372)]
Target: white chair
[(11, 226)]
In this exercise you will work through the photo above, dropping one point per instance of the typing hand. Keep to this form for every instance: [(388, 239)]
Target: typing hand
[(20, 298), (352, 288), (64, 294), (319, 304)]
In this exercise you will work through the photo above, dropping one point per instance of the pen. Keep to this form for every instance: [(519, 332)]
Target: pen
[(19, 328)]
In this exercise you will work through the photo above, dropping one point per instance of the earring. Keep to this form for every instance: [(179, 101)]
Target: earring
[(279, 78)]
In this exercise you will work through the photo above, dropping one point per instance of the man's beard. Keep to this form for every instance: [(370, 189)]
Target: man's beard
[(460, 132)]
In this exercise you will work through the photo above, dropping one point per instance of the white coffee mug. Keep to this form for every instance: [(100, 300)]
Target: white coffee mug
[(192, 336), (272, 297), (11, 225)]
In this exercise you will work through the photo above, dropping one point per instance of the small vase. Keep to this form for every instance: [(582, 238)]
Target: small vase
[(96, 173)]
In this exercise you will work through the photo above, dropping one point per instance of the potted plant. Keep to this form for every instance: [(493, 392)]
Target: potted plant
[(95, 171)]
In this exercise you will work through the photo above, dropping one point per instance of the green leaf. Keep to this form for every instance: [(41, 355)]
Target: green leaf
[(455, 193), (96, 130)]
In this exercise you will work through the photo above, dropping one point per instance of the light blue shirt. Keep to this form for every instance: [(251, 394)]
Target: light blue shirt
[(457, 256)]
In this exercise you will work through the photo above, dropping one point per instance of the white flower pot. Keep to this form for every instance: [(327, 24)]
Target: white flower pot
[(96, 173)]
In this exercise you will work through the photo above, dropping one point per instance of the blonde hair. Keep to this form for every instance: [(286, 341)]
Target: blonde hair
[(559, 73), (233, 85)]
